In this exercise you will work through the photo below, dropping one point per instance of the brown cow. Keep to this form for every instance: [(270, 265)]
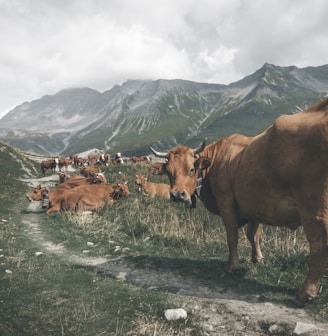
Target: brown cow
[(62, 162), (157, 168), (82, 197), (90, 171), (279, 178), (151, 188), (79, 161), (48, 164), (35, 194), (77, 180), (63, 177)]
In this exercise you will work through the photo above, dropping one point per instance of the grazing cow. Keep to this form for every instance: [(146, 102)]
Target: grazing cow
[(279, 178), (62, 162), (157, 168), (48, 164), (151, 188)]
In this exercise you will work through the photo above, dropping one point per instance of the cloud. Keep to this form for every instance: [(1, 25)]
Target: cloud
[(55, 44)]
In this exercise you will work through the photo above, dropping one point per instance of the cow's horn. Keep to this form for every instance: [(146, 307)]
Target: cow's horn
[(199, 149), (159, 154)]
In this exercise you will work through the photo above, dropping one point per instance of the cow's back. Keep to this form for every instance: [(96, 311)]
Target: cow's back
[(281, 167)]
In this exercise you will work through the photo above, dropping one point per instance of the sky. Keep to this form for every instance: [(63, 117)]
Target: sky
[(50, 45)]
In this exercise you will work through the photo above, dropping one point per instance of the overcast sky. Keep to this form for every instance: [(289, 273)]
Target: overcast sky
[(49, 45)]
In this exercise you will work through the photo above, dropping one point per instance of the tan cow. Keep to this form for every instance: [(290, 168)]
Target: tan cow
[(151, 188), (279, 178)]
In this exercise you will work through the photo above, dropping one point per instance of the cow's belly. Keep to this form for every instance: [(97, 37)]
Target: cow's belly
[(281, 212), (275, 211)]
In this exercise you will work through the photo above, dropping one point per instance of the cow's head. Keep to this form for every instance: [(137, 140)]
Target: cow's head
[(35, 195), (183, 167), (120, 190)]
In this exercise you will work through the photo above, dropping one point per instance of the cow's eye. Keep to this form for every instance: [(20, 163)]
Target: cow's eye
[(192, 171)]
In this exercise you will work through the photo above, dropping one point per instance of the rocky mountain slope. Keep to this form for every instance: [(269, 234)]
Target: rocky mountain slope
[(161, 113)]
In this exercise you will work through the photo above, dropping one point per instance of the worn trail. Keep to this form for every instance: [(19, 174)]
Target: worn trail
[(225, 312)]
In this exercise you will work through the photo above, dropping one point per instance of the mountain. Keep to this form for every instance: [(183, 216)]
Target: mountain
[(162, 113)]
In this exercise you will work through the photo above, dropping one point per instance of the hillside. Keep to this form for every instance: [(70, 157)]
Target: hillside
[(161, 113)]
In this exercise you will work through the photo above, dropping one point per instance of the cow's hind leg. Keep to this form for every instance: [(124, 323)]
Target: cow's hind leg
[(317, 234), (253, 231)]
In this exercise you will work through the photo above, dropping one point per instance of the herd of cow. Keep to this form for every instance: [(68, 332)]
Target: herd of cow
[(89, 190), (93, 159), (278, 178)]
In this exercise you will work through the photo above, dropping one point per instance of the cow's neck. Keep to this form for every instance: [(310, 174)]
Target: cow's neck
[(199, 183)]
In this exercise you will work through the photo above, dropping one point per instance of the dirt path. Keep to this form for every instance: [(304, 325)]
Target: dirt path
[(223, 313)]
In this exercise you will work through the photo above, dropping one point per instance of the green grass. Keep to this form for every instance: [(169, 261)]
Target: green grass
[(47, 295)]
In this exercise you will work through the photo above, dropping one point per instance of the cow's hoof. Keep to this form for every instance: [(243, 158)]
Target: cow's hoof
[(236, 271), (302, 300)]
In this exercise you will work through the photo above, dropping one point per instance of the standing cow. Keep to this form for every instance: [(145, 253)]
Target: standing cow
[(48, 164), (279, 178)]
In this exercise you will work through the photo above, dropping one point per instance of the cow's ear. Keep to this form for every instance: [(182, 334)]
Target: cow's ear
[(202, 162)]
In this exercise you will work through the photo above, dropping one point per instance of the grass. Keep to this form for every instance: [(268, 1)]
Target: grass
[(46, 295)]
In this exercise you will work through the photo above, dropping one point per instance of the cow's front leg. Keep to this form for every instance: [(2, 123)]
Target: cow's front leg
[(253, 231)]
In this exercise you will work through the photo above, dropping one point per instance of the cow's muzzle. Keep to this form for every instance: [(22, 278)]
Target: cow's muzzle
[(180, 196)]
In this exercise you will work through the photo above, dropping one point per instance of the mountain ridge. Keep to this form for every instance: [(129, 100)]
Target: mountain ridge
[(162, 113)]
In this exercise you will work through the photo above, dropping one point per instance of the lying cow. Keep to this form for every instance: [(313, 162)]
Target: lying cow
[(90, 197), (279, 178), (88, 171), (151, 188), (35, 194)]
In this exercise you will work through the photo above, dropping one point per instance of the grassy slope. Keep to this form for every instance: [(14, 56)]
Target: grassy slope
[(47, 296)]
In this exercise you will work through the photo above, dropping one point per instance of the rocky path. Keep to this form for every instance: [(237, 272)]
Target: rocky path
[(221, 312)]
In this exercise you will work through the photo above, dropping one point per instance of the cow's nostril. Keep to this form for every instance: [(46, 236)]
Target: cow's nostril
[(178, 196), (174, 195)]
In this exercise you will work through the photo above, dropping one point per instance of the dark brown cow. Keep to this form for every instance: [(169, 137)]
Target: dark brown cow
[(151, 188), (279, 178), (48, 164)]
